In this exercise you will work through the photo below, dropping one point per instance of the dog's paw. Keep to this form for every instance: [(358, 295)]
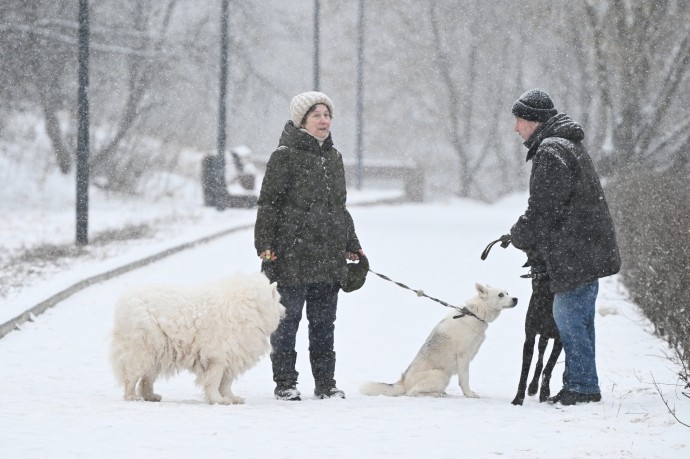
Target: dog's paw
[(235, 400), (471, 394), (132, 398), (518, 400), (153, 398), (226, 400)]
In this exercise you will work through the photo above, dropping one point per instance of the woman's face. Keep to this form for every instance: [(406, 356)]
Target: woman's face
[(318, 122)]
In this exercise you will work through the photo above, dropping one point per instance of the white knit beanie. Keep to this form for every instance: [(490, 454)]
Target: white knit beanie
[(301, 104)]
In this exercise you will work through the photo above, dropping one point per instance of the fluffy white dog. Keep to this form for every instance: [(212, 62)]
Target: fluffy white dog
[(449, 349), (216, 330)]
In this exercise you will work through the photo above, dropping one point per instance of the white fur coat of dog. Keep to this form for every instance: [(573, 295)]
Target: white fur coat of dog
[(216, 330), (449, 349)]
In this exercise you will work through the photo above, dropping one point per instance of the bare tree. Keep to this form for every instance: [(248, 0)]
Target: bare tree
[(42, 57), (458, 132), (44, 34), (145, 41), (641, 55), (474, 69)]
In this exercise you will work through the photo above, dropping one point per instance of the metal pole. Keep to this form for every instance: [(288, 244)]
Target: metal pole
[(220, 172), (360, 94), (82, 204), (317, 43)]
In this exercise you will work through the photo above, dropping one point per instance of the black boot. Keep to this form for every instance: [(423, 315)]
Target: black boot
[(285, 375), (323, 369)]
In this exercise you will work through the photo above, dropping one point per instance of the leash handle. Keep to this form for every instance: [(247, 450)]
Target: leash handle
[(504, 240)]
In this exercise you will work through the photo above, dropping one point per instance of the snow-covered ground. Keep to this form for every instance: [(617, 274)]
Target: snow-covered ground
[(58, 398)]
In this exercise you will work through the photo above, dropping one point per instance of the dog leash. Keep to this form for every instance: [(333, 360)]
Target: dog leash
[(504, 240), (463, 311)]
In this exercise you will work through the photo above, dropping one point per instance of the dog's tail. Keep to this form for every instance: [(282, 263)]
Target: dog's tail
[(378, 388)]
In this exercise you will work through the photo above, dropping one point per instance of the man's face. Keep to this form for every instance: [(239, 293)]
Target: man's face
[(525, 128)]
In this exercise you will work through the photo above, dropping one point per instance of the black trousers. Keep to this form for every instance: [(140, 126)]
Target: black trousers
[(321, 301)]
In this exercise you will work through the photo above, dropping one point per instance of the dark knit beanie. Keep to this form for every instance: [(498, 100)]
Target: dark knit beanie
[(534, 105)]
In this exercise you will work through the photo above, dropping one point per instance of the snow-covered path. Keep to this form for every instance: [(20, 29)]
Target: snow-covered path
[(58, 398)]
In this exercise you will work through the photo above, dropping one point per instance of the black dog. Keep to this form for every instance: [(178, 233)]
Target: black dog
[(539, 321)]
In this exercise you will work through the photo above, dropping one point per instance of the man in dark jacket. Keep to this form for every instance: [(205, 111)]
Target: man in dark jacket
[(303, 234), (568, 223)]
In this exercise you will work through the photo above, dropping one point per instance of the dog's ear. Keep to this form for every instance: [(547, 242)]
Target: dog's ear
[(483, 291)]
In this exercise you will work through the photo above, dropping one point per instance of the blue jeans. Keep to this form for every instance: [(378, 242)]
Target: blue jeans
[(573, 312), (322, 302)]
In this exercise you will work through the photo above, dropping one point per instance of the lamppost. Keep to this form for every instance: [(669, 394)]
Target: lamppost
[(317, 43), (360, 94), (82, 173), (220, 195)]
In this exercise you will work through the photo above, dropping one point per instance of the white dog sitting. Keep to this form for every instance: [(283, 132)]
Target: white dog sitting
[(216, 330), (449, 349)]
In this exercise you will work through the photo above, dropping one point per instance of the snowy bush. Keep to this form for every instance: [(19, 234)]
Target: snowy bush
[(652, 214)]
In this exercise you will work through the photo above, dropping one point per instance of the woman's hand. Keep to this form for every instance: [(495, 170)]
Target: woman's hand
[(268, 255), (354, 256)]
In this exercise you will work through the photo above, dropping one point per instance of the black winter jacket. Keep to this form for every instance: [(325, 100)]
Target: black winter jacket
[(567, 221), (302, 215)]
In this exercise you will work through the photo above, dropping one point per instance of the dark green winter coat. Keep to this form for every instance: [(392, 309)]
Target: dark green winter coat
[(567, 221), (302, 215)]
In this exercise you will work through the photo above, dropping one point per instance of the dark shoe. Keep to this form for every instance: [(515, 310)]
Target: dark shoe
[(287, 393), (330, 392), (323, 367), (285, 375), (573, 398), (569, 398)]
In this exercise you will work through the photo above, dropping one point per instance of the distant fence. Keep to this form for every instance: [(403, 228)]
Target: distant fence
[(391, 173), (384, 173)]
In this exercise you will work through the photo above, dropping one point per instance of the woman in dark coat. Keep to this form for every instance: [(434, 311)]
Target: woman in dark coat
[(304, 236)]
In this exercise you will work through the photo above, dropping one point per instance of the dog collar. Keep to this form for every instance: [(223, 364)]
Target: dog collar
[(466, 312)]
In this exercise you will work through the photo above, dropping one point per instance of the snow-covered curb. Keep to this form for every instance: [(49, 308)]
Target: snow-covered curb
[(40, 308)]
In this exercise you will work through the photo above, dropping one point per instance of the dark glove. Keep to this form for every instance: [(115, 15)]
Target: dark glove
[(269, 269)]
